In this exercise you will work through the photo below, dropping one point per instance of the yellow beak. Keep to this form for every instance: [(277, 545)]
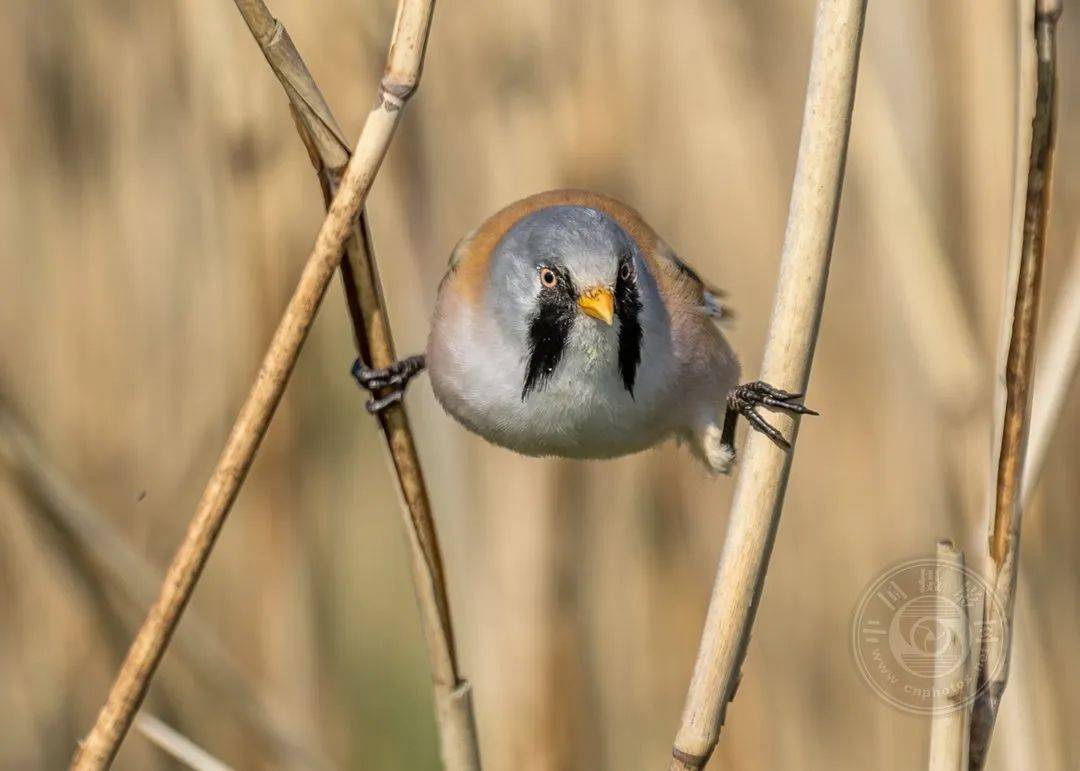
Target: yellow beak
[(598, 303)]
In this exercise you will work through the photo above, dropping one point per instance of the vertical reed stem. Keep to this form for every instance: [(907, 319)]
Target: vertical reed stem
[(1018, 368), (800, 296), (952, 711)]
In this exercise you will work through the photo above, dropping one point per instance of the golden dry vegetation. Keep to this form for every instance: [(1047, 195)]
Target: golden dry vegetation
[(155, 209)]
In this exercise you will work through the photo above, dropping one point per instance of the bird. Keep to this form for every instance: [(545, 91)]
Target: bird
[(566, 327)]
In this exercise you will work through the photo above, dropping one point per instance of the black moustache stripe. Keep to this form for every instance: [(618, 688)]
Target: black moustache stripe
[(628, 311), (550, 328), (548, 332)]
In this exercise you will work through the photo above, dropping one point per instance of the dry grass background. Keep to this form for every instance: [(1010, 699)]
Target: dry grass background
[(155, 207)]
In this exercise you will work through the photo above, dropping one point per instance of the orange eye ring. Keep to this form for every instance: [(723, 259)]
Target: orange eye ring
[(548, 277)]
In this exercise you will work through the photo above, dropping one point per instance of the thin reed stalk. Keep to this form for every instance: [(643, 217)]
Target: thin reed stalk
[(371, 329), (800, 296), (1018, 374), (176, 745), (402, 75), (952, 711), (107, 565)]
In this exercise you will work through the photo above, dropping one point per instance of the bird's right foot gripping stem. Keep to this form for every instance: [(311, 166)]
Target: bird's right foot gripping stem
[(744, 400)]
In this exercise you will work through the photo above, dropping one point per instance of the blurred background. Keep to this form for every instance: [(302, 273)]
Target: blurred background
[(155, 210)]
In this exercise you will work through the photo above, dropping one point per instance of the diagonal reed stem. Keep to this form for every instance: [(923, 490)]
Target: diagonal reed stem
[(107, 564), (800, 296), (399, 81), (1035, 188), (177, 746), (367, 310)]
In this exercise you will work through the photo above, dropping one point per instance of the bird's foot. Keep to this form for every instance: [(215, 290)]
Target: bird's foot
[(745, 399), (390, 381)]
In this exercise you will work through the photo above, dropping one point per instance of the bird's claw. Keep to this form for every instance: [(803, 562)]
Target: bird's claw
[(745, 399), (392, 380)]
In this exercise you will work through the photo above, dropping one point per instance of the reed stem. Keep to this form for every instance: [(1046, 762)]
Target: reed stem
[(1018, 367), (107, 565), (800, 296), (399, 81), (952, 711), (371, 330)]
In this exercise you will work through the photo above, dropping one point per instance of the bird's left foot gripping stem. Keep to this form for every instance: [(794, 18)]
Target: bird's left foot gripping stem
[(391, 381), (745, 399)]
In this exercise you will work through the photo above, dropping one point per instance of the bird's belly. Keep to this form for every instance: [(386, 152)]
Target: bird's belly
[(577, 427), (573, 417), (569, 433)]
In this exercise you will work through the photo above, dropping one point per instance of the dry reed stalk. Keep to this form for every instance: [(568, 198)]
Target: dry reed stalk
[(176, 745), (1055, 374), (763, 471), (402, 75), (106, 564), (1018, 368), (952, 713), (371, 330)]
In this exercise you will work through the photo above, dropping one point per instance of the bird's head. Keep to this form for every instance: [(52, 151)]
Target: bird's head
[(564, 274)]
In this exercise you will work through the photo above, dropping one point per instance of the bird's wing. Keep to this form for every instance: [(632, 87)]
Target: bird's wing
[(685, 282)]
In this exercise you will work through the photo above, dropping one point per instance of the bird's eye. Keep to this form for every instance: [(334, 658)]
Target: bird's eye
[(548, 277), (625, 270)]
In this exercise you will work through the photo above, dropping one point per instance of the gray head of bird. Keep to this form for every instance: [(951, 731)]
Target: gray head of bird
[(570, 277)]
